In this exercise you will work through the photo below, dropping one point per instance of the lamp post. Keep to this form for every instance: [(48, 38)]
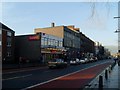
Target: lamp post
[(118, 31), (116, 17)]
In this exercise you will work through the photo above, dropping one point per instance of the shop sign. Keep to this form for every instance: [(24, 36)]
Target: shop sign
[(34, 37), (53, 51)]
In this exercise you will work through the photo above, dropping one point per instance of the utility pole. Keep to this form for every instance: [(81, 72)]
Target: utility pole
[(118, 30)]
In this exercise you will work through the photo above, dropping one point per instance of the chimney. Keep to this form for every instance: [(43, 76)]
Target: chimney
[(52, 24)]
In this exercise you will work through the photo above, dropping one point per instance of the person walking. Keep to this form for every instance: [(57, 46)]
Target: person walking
[(118, 61)]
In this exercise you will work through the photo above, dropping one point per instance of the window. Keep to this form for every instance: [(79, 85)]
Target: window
[(52, 42), (0, 31), (8, 44), (0, 43), (8, 54), (46, 41), (9, 39), (9, 34), (49, 43), (42, 41), (60, 44)]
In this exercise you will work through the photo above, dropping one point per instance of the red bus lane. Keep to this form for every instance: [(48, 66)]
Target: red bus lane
[(75, 80)]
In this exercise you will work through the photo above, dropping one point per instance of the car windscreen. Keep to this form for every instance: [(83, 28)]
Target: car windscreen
[(73, 59), (57, 60)]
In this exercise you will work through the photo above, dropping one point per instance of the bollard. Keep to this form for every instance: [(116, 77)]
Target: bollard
[(106, 74), (109, 68), (100, 82)]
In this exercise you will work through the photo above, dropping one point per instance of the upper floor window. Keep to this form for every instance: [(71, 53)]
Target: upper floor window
[(9, 34), (8, 44), (8, 54), (0, 31), (42, 41)]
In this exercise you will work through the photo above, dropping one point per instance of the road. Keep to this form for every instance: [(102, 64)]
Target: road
[(29, 78)]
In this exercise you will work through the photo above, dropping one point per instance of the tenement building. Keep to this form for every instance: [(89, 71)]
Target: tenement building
[(87, 45), (74, 41), (70, 36), (7, 44)]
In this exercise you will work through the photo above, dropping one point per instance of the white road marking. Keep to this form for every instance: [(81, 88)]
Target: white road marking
[(17, 77), (22, 70), (59, 77)]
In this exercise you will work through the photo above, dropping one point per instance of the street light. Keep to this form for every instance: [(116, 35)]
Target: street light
[(116, 17), (117, 31)]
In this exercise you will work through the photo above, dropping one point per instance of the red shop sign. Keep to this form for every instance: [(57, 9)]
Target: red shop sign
[(34, 37)]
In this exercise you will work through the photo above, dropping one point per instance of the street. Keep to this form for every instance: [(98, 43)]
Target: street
[(31, 78)]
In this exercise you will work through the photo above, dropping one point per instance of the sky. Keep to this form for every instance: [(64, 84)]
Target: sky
[(95, 19)]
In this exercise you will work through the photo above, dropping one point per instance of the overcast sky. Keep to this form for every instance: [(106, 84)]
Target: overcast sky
[(95, 20)]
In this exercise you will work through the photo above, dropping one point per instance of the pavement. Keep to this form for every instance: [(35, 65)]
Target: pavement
[(113, 79)]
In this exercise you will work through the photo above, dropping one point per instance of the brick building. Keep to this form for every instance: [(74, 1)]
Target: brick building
[(70, 36), (7, 43), (38, 48)]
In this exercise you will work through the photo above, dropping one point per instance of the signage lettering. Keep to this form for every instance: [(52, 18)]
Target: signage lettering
[(34, 37)]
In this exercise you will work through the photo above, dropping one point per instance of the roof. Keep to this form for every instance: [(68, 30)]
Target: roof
[(5, 27)]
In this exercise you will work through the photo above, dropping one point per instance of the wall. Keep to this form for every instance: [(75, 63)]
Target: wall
[(56, 31), (28, 49)]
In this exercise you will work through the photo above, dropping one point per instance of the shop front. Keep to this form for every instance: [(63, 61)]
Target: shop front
[(51, 47), (48, 54)]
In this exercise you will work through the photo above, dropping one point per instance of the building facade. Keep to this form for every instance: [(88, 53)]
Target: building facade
[(38, 48), (70, 36), (27, 47), (87, 45), (51, 47), (7, 43)]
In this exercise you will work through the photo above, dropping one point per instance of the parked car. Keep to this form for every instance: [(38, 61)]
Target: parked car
[(86, 60), (57, 63), (82, 61), (95, 58), (74, 61), (91, 60)]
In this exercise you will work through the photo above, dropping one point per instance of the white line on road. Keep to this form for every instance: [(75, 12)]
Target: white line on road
[(24, 70), (17, 77), (60, 77)]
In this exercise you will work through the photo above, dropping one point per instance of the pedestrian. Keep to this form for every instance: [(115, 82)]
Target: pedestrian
[(115, 59), (20, 60), (119, 62), (41, 60)]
